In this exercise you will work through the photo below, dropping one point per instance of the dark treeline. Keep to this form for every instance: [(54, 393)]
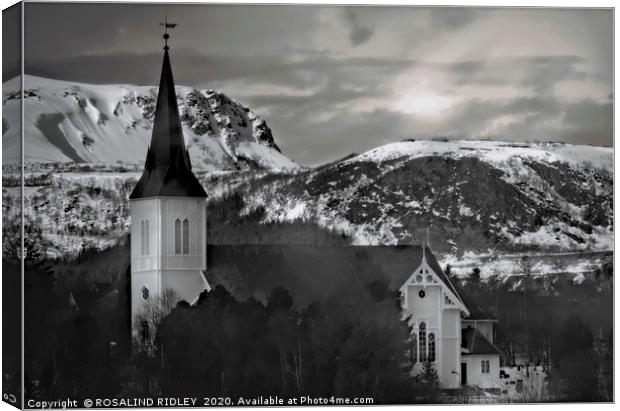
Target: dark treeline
[(353, 344), (11, 330), (76, 324), (554, 322)]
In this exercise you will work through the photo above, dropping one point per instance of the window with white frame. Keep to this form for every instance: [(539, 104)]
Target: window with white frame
[(141, 237), (144, 237), (485, 366), (186, 236), (422, 341), (181, 236), (431, 347)]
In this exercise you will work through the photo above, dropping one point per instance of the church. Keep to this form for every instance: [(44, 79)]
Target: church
[(454, 336), (168, 211), (169, 252)]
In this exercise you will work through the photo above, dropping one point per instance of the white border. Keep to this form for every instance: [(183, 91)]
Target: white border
[(493, 3)]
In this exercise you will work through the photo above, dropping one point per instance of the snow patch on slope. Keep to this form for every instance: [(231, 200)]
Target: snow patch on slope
[(495, 152), (77, 122)]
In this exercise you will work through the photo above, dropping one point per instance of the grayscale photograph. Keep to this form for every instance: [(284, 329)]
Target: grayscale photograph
[(298, 205)]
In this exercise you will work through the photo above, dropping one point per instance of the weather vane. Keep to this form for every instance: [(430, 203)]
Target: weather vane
[(166, 27)]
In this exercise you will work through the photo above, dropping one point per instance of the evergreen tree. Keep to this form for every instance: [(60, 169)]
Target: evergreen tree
[(604, 369), (574, 372), (429, 380), (429, 375), (473, 279)]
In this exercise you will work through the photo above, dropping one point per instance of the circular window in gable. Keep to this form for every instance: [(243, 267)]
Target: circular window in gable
[(422, 294)]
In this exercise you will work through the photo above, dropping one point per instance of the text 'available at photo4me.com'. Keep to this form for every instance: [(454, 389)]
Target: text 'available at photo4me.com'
[(145, 402)]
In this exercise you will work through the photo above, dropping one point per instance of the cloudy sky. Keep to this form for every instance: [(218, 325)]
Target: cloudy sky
[(335, 80)]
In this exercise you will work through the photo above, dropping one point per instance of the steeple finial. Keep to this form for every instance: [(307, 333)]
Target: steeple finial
[(166, 27)]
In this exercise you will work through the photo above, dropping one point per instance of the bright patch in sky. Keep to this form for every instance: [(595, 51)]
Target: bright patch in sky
[(425, 104)]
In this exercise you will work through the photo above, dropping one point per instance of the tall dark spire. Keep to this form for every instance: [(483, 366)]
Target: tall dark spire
[(167, 170)]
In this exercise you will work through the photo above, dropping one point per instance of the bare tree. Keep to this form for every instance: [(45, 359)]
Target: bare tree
[(526, 266), (146, 361), (534, 384), (602, 352), (148, 319)]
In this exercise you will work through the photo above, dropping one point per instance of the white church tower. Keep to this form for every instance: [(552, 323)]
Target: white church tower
[(168, 211)]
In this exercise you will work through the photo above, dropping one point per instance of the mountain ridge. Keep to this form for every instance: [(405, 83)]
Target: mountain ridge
[(93, 123), (476, 198), (528, 194)]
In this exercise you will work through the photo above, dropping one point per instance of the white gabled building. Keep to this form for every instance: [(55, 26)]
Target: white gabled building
[(444, 331), (480, 358), (168, 212)]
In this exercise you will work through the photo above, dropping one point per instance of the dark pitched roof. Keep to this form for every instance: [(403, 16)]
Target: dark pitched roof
[(432, 262), (476, 343), (476, 311), (167, 170), (309, 272)]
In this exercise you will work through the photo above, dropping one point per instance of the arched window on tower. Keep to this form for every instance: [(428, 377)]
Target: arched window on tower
[(177, 236), (146, 238), (431, 347), (142, 237), (422, 339), (186, 236)]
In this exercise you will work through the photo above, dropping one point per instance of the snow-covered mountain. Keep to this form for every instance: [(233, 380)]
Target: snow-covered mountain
[(75, 122), (472, 196), (483, 203)]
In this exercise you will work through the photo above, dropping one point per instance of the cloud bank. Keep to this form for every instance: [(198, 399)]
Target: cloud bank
[(336, 80)]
